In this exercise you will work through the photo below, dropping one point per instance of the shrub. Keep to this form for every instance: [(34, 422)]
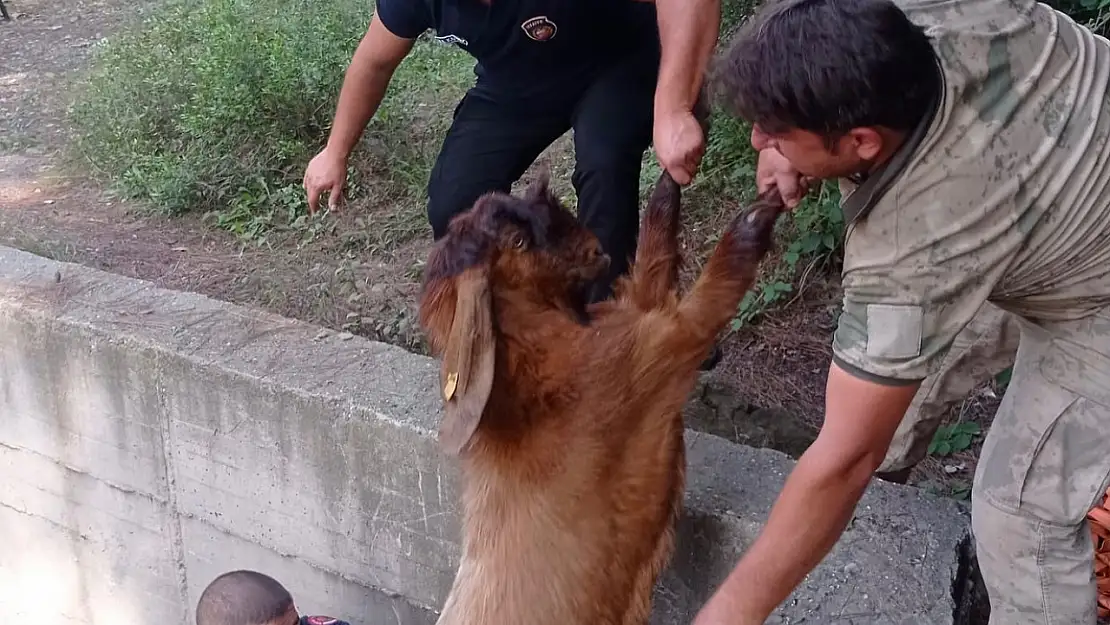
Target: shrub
[(217, 105)]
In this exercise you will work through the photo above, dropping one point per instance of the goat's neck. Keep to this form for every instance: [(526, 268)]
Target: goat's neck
[(532, 311)]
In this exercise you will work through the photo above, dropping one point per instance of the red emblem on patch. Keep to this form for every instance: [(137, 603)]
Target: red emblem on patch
[(321, 620), (539, 28)]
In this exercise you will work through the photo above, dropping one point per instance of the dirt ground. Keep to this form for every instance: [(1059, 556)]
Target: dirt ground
[(767, 391)]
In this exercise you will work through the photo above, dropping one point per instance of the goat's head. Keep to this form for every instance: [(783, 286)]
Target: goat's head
[(530, 243)]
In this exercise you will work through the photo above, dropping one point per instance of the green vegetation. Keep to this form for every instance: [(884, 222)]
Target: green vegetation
[(217, 106), (953, 438)]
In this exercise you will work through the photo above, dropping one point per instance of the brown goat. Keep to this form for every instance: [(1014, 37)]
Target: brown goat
[(568, 418)]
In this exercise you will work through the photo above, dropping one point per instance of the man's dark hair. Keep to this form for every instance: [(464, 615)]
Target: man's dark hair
[(827, 66), (242, 598)]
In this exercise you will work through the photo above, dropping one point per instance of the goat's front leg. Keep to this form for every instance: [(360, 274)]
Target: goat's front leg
[(655, 271), (731, 270)]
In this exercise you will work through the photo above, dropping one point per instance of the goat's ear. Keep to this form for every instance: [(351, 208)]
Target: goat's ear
[(466, 375), (540, 187)]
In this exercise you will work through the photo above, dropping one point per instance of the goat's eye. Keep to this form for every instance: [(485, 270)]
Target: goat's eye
[(518, 242)]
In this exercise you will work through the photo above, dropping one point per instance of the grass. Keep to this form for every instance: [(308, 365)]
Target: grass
[(218, 105)]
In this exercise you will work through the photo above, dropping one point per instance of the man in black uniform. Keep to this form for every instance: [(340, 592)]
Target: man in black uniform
[(543, 67)]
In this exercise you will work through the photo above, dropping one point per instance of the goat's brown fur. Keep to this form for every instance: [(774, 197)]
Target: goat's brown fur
[(567, 418)]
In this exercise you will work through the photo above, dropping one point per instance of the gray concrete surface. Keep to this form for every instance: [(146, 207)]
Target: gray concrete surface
[(151, 439)]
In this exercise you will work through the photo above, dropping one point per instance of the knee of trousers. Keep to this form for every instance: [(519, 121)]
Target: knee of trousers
[(443, 204)]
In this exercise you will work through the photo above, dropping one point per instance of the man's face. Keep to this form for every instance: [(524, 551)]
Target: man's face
[(811, 156)]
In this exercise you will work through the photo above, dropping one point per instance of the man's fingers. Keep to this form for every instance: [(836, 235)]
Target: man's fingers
[(335, 194), (681, 175), (313, 198)]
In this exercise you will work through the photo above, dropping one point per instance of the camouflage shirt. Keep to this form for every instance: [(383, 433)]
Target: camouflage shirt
[(1001, 194)]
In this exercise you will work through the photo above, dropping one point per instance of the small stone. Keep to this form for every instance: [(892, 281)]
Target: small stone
[(322, 334), (851, 568), (346, 336), (48, 201)]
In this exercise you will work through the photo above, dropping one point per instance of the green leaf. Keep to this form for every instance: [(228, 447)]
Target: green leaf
[(967, 427), (748, 301), (791, 258), (960, 442), (829, 240), (944, 448)]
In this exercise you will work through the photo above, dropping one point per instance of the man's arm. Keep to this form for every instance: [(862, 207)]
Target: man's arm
[(378, 54), (688, 31), (364, 85), (820, 496)]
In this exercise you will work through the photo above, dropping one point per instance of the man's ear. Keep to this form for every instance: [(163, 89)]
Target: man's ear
[(866, 142), (466, 374)]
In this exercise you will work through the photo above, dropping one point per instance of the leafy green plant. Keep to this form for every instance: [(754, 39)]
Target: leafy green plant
[(217, 106), (953, 438)]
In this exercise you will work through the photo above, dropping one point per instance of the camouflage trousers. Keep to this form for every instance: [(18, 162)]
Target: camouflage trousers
[(1044, 464)]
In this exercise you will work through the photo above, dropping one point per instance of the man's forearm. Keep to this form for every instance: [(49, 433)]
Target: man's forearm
[(688, 31), (811, 513), (363, 88)]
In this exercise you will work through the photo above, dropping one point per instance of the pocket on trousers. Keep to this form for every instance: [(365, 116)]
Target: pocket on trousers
[(1066, 469)]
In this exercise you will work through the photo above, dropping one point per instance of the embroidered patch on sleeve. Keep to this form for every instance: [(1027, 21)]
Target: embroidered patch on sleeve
[(894, 331)]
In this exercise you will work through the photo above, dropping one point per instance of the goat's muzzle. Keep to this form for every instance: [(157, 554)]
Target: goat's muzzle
[(592, 264)]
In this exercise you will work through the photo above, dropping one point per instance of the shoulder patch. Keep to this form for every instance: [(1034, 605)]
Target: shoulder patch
[(322, 620), (539, 28), (894, 331)]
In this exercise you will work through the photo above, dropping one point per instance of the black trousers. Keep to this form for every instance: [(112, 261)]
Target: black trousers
[(492, 141)]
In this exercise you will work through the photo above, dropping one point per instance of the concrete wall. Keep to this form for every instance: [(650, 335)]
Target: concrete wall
[(151, 439)]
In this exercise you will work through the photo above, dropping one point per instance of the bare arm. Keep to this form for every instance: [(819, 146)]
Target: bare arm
[(372, 66), (688, 31), (820, 495)]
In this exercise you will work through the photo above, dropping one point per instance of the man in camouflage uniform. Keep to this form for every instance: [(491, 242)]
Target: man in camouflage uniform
[(971, 139)]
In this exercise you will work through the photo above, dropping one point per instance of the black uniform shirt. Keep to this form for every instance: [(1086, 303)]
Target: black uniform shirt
[(526, 48)]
